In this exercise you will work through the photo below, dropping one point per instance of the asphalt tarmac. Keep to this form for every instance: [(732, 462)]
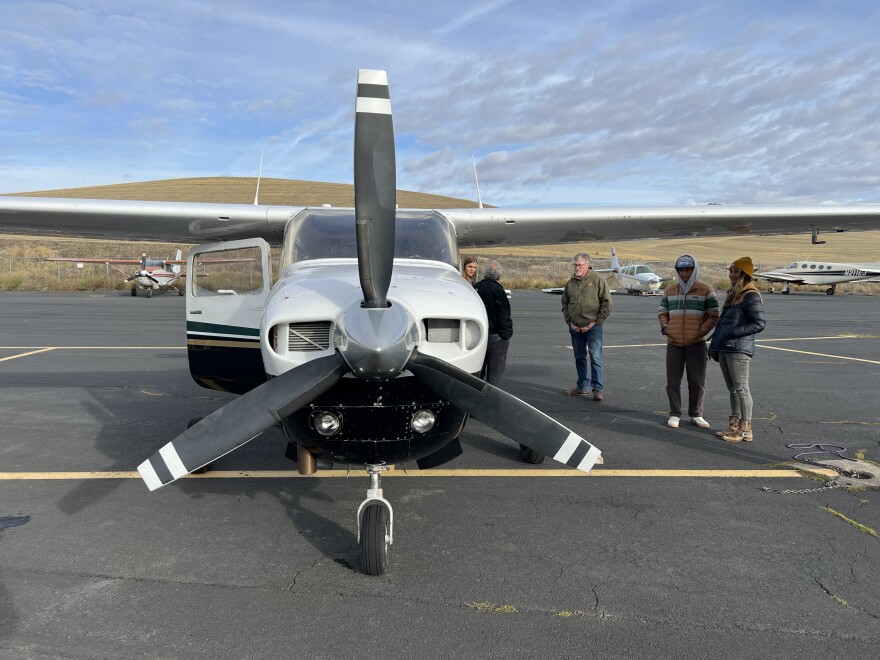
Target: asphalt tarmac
[(627, 562)]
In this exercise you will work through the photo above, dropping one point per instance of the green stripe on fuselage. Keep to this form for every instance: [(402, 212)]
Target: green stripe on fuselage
[(216, 328)]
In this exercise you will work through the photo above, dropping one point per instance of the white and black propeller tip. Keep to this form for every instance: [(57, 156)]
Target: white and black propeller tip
[(373, 96)]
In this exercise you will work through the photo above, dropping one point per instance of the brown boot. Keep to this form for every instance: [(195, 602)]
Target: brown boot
[(732, 427), (745, 428)]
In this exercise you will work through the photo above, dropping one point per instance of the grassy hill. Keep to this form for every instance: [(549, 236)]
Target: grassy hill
[(240, 190)]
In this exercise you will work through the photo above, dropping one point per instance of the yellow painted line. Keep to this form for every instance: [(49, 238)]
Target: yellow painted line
[(838, 357), (13, 357), (292, 474)]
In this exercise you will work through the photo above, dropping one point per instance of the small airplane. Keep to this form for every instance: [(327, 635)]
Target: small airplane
[(363, 352), (820, 273), (637, 279), (153, 274)]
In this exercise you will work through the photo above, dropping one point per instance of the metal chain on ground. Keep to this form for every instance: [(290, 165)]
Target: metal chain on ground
[(837, 450)]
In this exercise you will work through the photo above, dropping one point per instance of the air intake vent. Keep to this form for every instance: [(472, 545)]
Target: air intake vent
[(314, 336), (444, 331)]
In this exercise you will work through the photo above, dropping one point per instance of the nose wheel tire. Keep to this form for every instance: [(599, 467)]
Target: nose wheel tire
[(375, 539), (149, 293), (530, 455)]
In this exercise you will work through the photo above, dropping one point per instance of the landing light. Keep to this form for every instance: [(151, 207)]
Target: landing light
[(327, 423), (423, 421)]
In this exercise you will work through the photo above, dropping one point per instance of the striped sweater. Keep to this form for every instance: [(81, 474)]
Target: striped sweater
[(689, 317)]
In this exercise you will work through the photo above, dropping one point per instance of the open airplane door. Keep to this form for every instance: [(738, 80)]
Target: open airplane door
[(226, 291)]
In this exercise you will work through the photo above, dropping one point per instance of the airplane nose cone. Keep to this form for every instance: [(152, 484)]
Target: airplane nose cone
[(376, 342)]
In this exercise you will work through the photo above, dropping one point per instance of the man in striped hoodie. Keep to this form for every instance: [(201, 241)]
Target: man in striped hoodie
[(688, 312)]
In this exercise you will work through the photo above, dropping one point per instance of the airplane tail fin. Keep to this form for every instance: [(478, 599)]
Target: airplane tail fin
[(615, 264), (176, 267)]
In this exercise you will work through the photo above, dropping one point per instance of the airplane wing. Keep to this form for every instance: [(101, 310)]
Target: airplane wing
[(186, 222), (192, 222), (133, 262), (496, 226)]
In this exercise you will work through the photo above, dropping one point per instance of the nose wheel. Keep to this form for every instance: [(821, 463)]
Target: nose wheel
[(375, 523)]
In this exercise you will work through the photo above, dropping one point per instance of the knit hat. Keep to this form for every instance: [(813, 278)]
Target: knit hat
[(684, 261), (745, 265)]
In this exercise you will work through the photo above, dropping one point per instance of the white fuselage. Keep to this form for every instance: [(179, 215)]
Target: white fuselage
[(822, 272), (639, 279), (449, 315)]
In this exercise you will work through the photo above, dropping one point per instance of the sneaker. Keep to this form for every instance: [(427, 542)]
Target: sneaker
[(672, 422), (699, 421), (577, 392), (597, 395)]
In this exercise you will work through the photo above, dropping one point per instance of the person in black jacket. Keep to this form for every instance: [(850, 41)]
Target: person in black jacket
[(733, 346), (500, 324)]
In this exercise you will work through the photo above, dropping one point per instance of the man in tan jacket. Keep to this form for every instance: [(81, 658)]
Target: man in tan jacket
[(688, 312)]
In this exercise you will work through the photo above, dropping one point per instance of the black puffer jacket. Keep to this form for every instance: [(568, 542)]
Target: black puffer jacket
[(497, 307), (738, 325)]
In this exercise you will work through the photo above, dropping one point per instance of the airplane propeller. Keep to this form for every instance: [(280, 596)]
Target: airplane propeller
[(375, 340)]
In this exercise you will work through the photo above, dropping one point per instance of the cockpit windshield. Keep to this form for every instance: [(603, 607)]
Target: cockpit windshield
[(642, 270), (328, 233)]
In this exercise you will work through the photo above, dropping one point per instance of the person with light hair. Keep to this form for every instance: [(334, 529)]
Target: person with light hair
[(469, 269), (500, 323), (586, 304)]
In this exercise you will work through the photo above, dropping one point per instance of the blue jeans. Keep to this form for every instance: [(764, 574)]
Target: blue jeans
[(588, 343)]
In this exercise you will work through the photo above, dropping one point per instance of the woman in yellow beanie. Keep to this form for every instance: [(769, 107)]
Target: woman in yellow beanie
[(733, 345)]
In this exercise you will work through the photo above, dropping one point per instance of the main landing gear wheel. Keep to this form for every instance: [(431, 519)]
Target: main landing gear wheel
[(785, 292), (529, 455), (830, 291), (375, 525), (180, 292), (207, 467), (770, 289), (134, 291)]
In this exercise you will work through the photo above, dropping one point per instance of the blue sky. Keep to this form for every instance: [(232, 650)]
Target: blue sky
[(561, 103)]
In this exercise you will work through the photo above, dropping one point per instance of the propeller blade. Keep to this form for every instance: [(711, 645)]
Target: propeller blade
[(241, 420), (375, 186), (504, 412)]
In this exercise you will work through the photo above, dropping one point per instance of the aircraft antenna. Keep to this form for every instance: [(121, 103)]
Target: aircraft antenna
[(477, 180), (259, 176)]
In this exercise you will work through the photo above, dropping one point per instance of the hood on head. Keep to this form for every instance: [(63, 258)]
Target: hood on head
[(685, 261)]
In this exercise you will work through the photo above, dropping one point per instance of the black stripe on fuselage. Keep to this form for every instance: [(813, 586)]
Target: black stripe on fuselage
[(368, 91)]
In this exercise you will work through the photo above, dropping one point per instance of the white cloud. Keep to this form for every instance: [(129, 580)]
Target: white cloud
[(618, 102)]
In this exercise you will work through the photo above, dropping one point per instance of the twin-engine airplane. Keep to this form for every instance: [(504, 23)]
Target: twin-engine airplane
[(152, 276), (363, 352), (820, 273), (637, 279)]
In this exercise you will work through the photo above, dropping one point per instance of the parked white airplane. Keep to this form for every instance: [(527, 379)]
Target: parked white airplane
[(153, 274), (637, 279), (821, 273), (363, 351)]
